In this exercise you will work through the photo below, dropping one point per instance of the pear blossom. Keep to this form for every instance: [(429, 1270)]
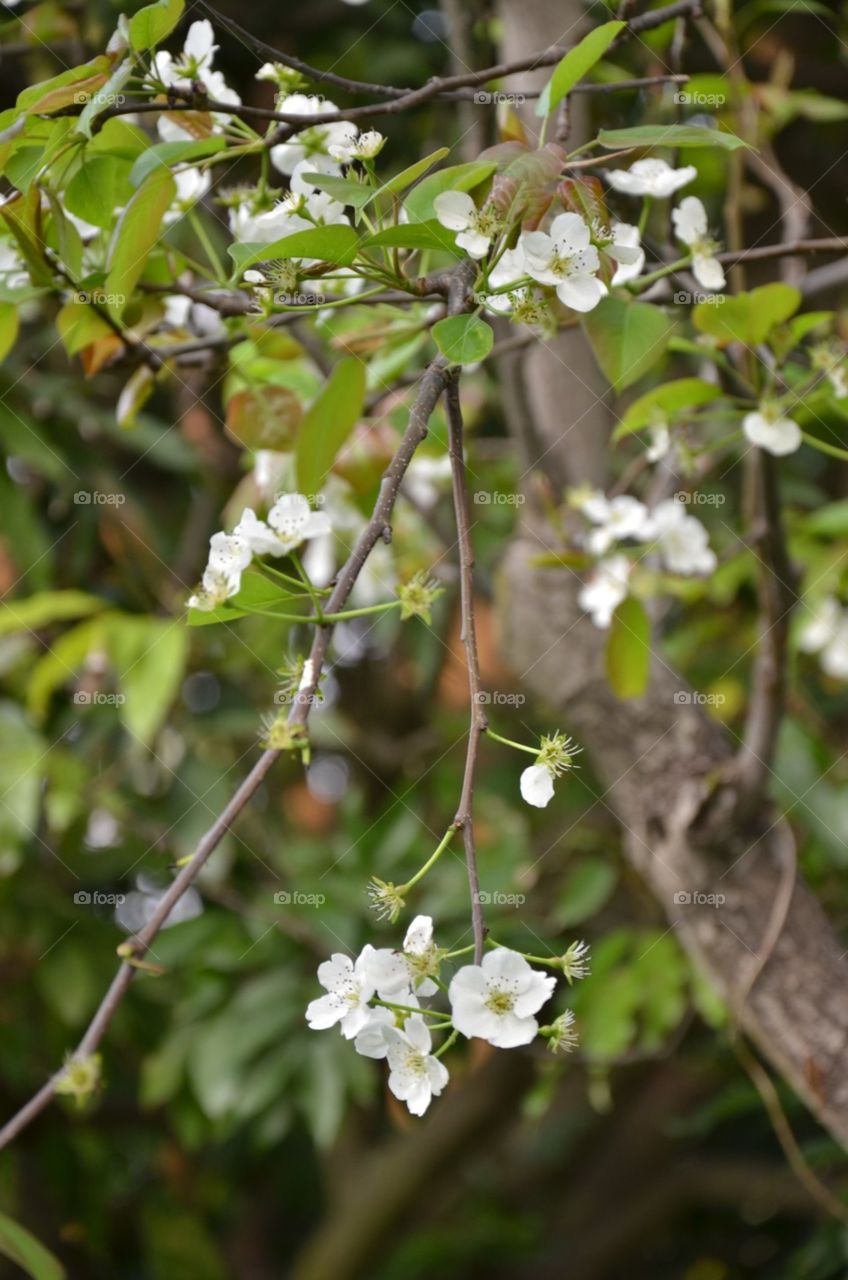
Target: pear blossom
[(567, 259), (373, 1040), (476, 227), (316, 139), (292, 518), (575, 962), (349, 988), (396, 973), (616, 519), (416, 1076), (769, 430), (537, 785), (681, 539), (229, 556), (560, 1035), (192, 185), (496, 1000), (690, 227), (660, 445), (626, 249), (604, 589), (364, 147), (261, 539), (650, 177), (827, 635), (508, 270), (193, 64)]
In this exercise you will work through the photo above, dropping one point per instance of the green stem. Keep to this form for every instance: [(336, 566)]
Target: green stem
[(644, 281), (553, 962), (647, 204), (452, 1038), (307, 582), (431, 861), (508, 742), (408, 1008), (358, 613), (208, 247)]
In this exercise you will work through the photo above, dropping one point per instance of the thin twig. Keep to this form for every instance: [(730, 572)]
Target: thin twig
[(478, 722), (379, 527)]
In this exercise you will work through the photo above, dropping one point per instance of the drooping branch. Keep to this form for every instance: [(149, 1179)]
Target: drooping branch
[(432, 385)]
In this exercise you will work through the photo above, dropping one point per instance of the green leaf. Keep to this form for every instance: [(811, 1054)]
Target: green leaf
[(149, 655), (22, 766), (669, 135), (100, 183), (8, 329), (463, 339), (104, 97), (587, 887), (576, 63), (459, 177), (65, 89), (139, 228), (628, 656), (328, 423), (413, 235), (79, 325), (666, 401), (154, 23), (21, 1247), (355, 194), (46, 608), (415, 171), (627, 338), (335, 244), (171, 153), (747, 317)]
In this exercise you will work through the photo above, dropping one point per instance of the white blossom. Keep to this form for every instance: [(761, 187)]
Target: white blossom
[(508, 270), (316, 139), (294, 521), (373, 1040), (690, 227), (396, 973), (364, 147), (192, 185), (626, 249), (349, 988), (193, 64), (261, 539), (604, 589), (537, 785), (681, 539), (827, 635), (416, 1076), (660, 442), (229, 556), (650, 177), (615, 518), (567, 259), (496, 1000), (769, 430), (476, 227)]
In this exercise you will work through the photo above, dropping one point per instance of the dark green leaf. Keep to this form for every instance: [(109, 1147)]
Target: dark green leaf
[(669, 135), (463, 339), (627, 338), (575, 64), (328, 423)]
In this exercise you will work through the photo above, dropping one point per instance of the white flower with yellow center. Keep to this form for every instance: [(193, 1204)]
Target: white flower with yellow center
[(496, 1000), (395, 973), (476, 228), (566, 259), (650, 178), (416, 1076), (349, 988), (690, 227)]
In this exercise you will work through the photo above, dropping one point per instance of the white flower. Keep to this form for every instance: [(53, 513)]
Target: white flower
[(690, 227), (316, 139), (626, 249), (567, 259), (496, 1000), (821, 629), (373, 1040), (650, 178), (415, 1075), (229, 556), (193, 64), (605, 589), (395, 973), (772, 432), (616, 518), (365, 147), (537, 785), (458, 212), (827, 635), (509, 269), (349, 988), (259, 537), (660, 442), (192, 185), (294, 520), (682, 541)]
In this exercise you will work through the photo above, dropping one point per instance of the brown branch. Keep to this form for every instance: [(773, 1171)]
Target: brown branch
[(832, 244), (464, 819), (379, 527)]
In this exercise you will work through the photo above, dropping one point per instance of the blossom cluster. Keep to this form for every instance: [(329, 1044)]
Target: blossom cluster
[(567, 256), (376, 1001), (291, 521), (678, 539)]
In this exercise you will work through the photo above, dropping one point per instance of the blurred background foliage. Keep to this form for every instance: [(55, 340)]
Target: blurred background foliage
[(226, 1134)]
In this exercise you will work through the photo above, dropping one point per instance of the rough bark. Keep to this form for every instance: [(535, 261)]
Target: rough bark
[(658, 757)]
